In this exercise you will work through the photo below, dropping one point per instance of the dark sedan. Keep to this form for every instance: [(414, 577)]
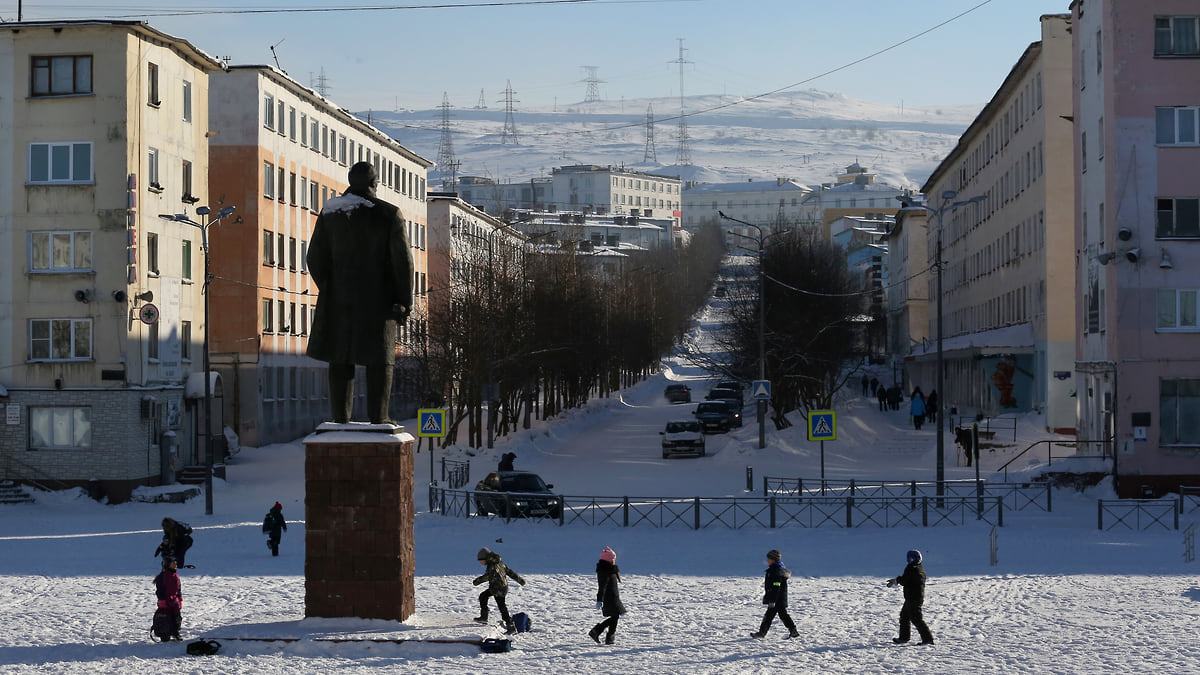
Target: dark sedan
[(516, 494)]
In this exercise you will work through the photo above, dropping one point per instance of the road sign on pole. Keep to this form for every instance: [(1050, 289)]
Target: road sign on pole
[(431, 423), (761, 389), (822, 425)]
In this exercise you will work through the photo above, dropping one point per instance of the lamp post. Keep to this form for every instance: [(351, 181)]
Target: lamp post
[(760, 404), (208, 448), (948, 204)]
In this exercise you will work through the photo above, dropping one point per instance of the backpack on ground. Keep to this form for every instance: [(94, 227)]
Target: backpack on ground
[(203, 647), (164, 625), (495, 645), (522, 621)]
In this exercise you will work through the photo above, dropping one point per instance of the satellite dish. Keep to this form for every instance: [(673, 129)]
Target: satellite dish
[(148, 314)]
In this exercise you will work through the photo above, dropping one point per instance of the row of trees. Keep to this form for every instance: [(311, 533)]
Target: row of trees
[(531, 333)]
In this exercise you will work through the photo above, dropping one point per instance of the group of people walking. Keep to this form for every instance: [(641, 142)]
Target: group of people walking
[(920, 408), (775, 595)]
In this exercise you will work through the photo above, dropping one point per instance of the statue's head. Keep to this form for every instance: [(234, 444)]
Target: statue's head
[(363, 178)]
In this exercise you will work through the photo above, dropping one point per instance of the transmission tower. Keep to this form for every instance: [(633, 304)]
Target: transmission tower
[(593, 85), (447, 164), (651, 155), (481, 105), (510, 126), (320, 83), (684, 155)]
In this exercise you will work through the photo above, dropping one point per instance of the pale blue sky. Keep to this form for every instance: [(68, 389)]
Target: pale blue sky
[(383, 59)]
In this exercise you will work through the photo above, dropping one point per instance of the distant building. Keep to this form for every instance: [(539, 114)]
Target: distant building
[(855, 193), (865, 241), (766, 203), (907, 297), (1136, 379)]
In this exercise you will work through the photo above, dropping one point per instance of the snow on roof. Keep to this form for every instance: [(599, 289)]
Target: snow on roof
[(749, 186), (346, 202), (1008, 338)]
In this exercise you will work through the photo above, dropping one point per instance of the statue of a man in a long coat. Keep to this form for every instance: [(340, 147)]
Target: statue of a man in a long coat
[(360, 260)]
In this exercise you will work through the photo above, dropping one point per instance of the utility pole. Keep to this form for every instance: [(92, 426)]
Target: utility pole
[(683, 157)]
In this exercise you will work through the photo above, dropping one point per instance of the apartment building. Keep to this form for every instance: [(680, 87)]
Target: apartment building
[(103, 129), (279, 151), (854, 192), (1136, 112), (616, 190), (774, 203), (906, 293)]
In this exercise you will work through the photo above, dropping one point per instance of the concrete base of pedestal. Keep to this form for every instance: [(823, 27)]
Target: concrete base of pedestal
[(358, 508)]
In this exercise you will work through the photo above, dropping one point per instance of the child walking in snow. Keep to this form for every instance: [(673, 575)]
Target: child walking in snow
[(167, 618), (608, 596), (497, 587), (775, 596), (913, 581)]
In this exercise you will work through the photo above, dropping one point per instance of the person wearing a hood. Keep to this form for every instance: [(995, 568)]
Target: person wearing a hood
[(274, 526), (177, 539), (913, 582), (608, 596), (168, 591), (506, 461), (775, 596), (495, 576)]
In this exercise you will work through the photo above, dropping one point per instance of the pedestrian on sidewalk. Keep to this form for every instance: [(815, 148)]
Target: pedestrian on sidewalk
[(916, 408), (775, 596), (274, 526)]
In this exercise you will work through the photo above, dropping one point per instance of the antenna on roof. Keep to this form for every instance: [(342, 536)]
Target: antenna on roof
[(276, 56)]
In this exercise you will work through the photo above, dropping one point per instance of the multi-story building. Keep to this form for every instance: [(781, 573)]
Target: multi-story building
[(1007, 316), (854, 193), (906, 297), (279, 152), (1136, 112), (866, 245), (617, 190), (103, 128), (768, 203)]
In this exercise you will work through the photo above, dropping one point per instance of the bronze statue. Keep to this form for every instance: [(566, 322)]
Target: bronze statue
[(360, 260)]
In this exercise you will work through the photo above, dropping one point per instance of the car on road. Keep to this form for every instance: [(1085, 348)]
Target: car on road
[(735, 410), (516, 494), (721, 392), (678, 393), (713, 416), (683, 437)]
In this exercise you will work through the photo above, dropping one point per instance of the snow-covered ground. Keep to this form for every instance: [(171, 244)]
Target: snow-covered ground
[(1065, 597)]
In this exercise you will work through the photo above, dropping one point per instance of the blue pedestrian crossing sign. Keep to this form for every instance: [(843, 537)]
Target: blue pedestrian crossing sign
[(761, 390), (431, 423), (822, 425)]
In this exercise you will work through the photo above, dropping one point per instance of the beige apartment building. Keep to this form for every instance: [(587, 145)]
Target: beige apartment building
[(279, 151), (1008, 293), (103, 128)]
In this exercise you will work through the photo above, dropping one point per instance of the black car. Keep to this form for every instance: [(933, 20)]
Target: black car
[(678, 393), (516, 494), (714, 416), (717, 393), (735, 410)]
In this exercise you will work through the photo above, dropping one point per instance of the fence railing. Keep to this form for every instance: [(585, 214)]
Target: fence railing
[(989, 427), (698, 513), (1104, 447), (455, 474), (1017, 496), (1138, 514), (1189, 499)]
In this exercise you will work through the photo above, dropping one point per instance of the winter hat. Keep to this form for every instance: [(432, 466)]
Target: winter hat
[(774, 555), (914, 557), (483, 553), (608, 555), (279, 506)]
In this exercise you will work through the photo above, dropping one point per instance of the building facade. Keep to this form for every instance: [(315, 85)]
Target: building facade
[(775, 203), (907, 293), (103, 129), (855, 192), (279, 152), (1136, 112), (1008, 303)]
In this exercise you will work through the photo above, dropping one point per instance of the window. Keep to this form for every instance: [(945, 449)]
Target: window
[(1179, 412), (292, 189), (187, 101), (268, 180), (283, 327), (281, 261), (60, 428), (268, 322), (304, 257), (60, 162), (1176, 309), (187, 260), (292, 317), (152, 157), (268, 256), (152, 85), (152, 254), (186, 176), (1083, 150), (342, 150), (1177, 36), (315, 136), (269, 112), (282, 184), (60, 252), (185, 340), (282, 130), (303, 130), (313, 204), (60, 339), (60, 75), (292, 253), (292, 124), (303, 192), (1177, 218), (304, 319), (1176, 125), (152, 341), (324, 140)]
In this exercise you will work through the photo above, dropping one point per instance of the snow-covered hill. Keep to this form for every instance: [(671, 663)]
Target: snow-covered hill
[(807, 135)]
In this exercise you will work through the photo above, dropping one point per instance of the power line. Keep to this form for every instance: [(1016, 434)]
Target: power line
[(136, 11)]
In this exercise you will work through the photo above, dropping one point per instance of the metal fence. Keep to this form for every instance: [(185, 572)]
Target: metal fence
[(1016, 496), (1138, 514), (698, 513), (455, 474), (1189, 499)]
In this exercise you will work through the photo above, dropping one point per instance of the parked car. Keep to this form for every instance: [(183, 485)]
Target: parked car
[(732, 384), (721, 392), (682, 438), (713, 416), (678, 393), (516, 494), (735, 410)]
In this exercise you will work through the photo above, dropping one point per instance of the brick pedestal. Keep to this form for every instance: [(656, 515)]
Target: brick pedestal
[(358, 509)]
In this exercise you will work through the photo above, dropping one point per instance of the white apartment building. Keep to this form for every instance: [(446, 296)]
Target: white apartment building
[(767, 203)]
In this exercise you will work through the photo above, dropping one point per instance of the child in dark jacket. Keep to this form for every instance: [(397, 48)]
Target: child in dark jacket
[(274, 526), (913, 581), (177, 539), (170, 601), (497, 587), (608, 596), (775, 596)]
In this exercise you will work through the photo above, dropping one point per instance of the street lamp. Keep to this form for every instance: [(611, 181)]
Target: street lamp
[(208, 448), (760, 404), (948, 204)]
